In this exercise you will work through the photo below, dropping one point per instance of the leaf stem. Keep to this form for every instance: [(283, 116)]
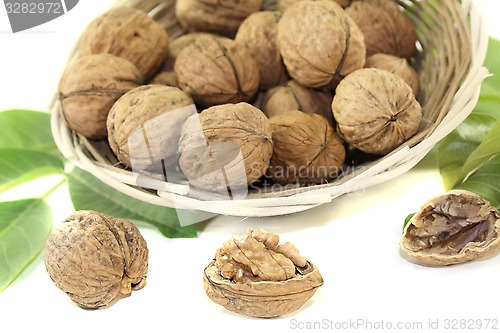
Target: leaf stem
[(52, 190)]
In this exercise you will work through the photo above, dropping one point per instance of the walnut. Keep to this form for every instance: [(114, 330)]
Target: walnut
[(144, 125), (306, 149), (225, 146), (452, 228), (220, 17), (395, 65), (95, 258), (90, 86), (319, 43), (375, 111), (166, 79), (256, 276), (293, 96), (177, 45), (284, 4), (216, 70), (128, 33), (258, 33), (385, 27)]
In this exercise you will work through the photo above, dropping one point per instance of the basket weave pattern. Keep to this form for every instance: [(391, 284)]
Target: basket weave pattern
[(452, 43)]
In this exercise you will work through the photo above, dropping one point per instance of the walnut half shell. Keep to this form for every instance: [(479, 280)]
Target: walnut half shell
[(255, 276), (452, 228)]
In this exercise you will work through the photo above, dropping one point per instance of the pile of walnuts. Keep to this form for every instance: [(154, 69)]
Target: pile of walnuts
[(247, 93)]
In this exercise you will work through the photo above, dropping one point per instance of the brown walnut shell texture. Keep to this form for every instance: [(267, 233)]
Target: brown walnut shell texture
[(217, 70), (166, 79), (307, 150), (284, 4), (214, 139), (267, 279), (259, 34), (319, 43), (90, 86), (215, 16), (375, 111), (385, 27), (395, 65), (144, 125), (128, 33), (95, 258), (453, 228), (294, 96), (177, 45)]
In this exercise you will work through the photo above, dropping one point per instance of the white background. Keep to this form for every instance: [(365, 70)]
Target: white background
[(354, 241)]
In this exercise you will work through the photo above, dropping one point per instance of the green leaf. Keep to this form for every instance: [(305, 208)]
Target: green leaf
[(456, 148), (485, 181), (407, 219), (20, 166), (23, 129), (491, 62), (489, 146), (88, 192), (24, 227)]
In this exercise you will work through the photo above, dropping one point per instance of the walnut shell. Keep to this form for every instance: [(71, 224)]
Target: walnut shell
[(259, 34), (166, 79), (375, 111), (306, 149), (216, 70), (293, 96), (90, 86), (271, 279), (225, 146), (177, 45), (284, 4), (95, 258), (214, 16), (453, 228), (385, 27), (395, 65), (319, 43), (144, 125), (128, 33)]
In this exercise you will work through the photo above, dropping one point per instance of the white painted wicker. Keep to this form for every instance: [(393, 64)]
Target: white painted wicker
[(452, 47)]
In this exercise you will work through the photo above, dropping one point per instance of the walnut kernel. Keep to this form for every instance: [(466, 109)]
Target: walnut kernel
[(254, 275)]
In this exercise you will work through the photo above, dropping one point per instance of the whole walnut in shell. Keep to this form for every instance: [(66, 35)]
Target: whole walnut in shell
[(319, 43), (284, 4), (220, 17), (225, 146), (254, 275), (259, 34), (293, 96), (177, 45), (95, 258), (144, 125), (128, 33), (395, 65), (217, 70), (306, 149), (385, 27), (90, 86), (452, 228), (375, 111)]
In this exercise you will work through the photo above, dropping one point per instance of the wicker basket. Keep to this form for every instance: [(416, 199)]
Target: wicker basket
[(452, 44)]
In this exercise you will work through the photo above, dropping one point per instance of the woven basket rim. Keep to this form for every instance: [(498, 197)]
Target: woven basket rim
[(79, 151)]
